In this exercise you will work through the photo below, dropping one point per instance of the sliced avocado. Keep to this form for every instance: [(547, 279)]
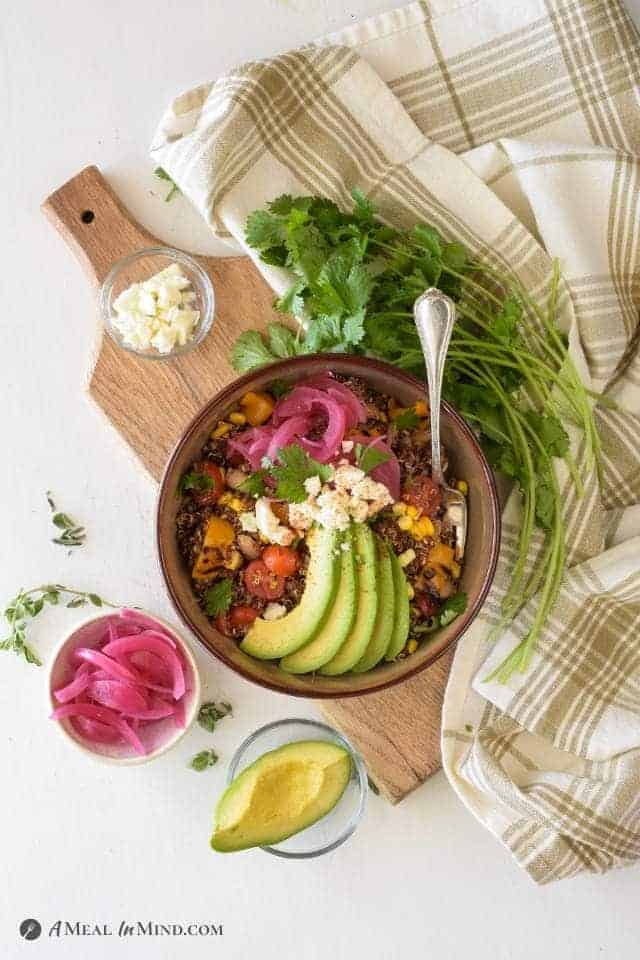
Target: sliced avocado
[(338, 623), (282, 793), (383, 629), (356, 643), (401, 624), (270, 639)]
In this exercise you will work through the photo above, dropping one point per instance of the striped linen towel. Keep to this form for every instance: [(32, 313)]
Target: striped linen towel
[(514, 128)]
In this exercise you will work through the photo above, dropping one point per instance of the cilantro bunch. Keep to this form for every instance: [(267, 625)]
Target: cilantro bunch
[(354, 282)]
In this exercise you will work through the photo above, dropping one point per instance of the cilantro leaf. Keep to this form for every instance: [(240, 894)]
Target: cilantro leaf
[(292, 301), (195, 481), (452, 607), (263, 230), (363, 208), (254, 485), (282, 340), (218, 597), (369, 457), (407, 419), (250, 351), (550, 431), (294, 467)]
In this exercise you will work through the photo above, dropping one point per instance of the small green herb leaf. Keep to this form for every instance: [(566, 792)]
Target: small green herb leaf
[(218, 597), (203, 760), (250, 351), (368, 457), (209, 713), (254, 485), (451, 608), (195, 481), (407, 420)]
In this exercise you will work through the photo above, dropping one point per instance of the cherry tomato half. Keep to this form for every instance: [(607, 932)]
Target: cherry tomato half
[(206, 498), (425, 494), (242, 615), (262, 582), (280, 560)]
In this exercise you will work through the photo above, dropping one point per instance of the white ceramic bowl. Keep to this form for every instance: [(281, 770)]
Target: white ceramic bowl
[(158, 736)]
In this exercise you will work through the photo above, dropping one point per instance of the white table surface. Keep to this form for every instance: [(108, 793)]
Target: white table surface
[(86, 82)]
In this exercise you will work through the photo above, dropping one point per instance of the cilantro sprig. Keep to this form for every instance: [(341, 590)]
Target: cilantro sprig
[(28, 604), (218, 598), (193, 480), (354, 281), (293, 467)]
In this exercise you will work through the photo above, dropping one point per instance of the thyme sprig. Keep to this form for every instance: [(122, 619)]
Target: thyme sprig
[(28, 604)]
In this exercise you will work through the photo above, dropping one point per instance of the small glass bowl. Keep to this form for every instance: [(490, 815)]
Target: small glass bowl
[(142, 265), (338, 825)]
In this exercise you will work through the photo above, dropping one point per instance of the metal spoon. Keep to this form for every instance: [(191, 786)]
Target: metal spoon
[(435, 315)]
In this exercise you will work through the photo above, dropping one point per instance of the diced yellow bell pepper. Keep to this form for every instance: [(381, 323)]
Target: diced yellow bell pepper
[(257, 407)]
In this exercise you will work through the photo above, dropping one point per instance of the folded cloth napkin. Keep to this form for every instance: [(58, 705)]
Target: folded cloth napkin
[(514, 128)]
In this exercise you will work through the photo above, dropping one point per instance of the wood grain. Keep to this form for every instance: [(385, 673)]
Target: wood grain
[(150, 404)]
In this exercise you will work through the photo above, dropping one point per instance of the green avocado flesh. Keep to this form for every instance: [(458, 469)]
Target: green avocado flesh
[(282, 793), (383, 629), (353, 648), (270, 639), (338, 623), (401, 621)]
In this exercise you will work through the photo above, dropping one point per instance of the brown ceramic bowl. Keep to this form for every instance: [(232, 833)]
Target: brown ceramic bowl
[(467, 461)]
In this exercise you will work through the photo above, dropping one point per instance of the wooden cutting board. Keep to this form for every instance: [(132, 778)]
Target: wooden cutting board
[(150, 404)]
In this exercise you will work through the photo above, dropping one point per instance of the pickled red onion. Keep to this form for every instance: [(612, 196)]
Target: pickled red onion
[(103, 715), (118, 695), (150, 640), (75, 687), (112, 667)]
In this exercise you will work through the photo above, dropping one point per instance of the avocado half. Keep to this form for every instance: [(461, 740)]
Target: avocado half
[(281, 793), (338, 623), (270, 639)]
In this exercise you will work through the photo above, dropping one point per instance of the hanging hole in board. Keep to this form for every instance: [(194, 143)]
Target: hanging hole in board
[(87, 216)]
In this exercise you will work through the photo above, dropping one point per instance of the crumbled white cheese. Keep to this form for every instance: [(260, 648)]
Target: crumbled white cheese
[(269, 525), (347, 446), (248, 522), (348, 495), (313, 485), (273, 611), (157, 313)]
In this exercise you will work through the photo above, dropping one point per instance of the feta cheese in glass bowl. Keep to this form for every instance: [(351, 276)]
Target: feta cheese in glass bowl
[(158, 303)]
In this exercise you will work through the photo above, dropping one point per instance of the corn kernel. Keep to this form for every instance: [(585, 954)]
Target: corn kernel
[(463, 487), (412, 646), (407, 557), (455, 570), (237, 504), (238, 418), (221, 430), (423, 528), (421, 408), (399, 508), (405, 523), (411, 592), (225, 499), (412, 511)]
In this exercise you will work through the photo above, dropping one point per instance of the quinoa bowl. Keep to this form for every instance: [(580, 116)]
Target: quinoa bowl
[(300, 536)]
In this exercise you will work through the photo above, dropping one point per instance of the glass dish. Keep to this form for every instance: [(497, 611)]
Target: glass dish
[(338, 825), (142, 265)]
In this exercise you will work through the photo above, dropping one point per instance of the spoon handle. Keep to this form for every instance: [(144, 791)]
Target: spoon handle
[(434, 315)]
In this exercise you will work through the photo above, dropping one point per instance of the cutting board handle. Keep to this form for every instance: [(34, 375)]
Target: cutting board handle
[(93, 222)]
